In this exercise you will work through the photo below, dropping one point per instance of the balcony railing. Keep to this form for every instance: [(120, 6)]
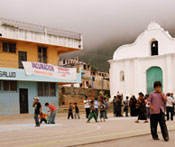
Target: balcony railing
[(38, 28)]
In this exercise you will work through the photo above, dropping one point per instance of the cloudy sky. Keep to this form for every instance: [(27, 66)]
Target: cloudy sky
[(104, 23)]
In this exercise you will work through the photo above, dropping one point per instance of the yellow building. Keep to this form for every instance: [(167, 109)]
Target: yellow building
[(25, 42)]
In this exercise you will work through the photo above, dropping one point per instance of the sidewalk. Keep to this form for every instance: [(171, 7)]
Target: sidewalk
[(22, 133)]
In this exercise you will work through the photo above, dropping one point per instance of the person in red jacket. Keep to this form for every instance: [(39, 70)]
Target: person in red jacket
[(52, 113)]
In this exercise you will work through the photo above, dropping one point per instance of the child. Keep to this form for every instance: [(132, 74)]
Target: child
[(76, 114), (157, 110), (141, 105), (70, 111), (102, 111), (42, 117), (52, 113), (92, 113)]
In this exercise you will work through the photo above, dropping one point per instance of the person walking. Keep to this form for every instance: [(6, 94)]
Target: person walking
[(169, 106), (87, 106), (92, 113), (37, 110), (157, 110)]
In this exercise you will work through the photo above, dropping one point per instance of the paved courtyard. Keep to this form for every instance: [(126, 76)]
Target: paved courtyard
[(20, 131)]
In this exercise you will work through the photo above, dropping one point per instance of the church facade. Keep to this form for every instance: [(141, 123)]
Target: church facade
[(135, 67)]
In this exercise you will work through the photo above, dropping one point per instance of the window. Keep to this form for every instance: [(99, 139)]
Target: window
[(22, 56), (42, 54), (93, 73), (154, 48), (9, 47), (84, 66), (46, 89), (122, 76), (10, 85)]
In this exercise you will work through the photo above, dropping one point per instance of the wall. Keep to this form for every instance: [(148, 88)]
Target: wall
[(135, 74), (71, 94), (11, 59), (142, 46), (9, 101)]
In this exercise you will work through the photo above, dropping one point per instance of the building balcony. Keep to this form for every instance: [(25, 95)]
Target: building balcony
[(21, 31)]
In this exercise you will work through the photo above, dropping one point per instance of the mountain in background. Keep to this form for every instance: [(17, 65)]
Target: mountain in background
[(98, 57)]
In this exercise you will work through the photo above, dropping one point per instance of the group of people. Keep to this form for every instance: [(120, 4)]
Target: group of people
[(146, 107), (92, 108), (39, 116), (70, 111)]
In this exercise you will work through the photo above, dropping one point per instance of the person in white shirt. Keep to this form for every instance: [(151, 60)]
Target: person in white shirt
[(169, 106), (96, 103), (147, 106), (87, 106)]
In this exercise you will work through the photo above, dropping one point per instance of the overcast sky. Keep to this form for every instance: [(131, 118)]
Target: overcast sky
[(102, 22)]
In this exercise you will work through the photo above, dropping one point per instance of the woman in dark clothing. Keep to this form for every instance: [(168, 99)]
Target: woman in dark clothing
[(132, 104), (114, 105), (141, 106), (118, 106)]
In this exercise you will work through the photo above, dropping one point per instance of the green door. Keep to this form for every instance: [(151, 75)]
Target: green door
[(153, 74)]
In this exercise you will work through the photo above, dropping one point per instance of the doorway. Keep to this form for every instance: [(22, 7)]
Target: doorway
[(153, 74), (23, 96)]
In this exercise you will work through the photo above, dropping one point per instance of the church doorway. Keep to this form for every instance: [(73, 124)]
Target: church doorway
[(153, 74)]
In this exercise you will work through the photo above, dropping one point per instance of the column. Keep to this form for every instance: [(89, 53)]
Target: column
[(169, 73)]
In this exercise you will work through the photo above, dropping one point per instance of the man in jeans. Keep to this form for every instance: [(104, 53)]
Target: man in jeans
[(157, 110), (52, 113), (37, 108)]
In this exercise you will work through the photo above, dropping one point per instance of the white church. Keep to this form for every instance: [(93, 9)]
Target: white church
[(135, 67)]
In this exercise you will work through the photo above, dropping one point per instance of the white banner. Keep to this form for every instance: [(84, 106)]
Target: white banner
[(37, 68)]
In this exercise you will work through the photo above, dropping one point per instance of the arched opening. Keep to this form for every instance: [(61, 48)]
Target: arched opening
[(154, 48), (153, 74), (122, 76)]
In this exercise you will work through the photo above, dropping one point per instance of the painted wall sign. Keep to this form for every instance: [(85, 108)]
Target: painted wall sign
[(36, 68), (7, 74)]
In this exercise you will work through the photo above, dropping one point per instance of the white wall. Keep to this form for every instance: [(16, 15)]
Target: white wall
[(135, 59)]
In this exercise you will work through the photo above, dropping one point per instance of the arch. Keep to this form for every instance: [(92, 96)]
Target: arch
[(122, 76), (154, 47), (153, 74)]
